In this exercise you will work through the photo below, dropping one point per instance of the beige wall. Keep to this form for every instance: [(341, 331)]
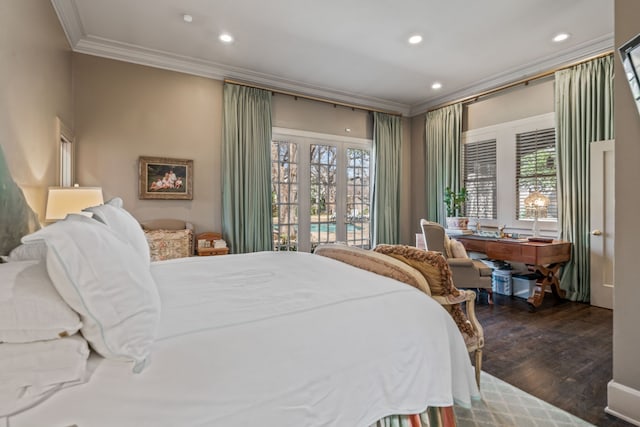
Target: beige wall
[(626, 315), (35, 87), (124, 111), (406, 193), (418, 208), (313, 116), (516, 103)]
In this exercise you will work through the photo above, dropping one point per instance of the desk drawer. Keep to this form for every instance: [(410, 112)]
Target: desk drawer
[(528, 254), (516, 252), (503, 251), (474, 245)]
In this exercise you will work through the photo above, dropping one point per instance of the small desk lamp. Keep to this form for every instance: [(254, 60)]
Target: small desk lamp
[(536, 204), (66, 200)]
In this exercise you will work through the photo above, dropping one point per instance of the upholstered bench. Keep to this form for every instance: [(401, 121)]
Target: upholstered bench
[(168, 238)]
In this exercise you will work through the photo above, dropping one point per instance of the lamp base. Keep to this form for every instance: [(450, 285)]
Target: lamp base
[(535, 230)]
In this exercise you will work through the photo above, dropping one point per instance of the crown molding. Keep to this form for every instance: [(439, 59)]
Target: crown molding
[(81, 42), (563, 58), (70, 19), (106, 48)]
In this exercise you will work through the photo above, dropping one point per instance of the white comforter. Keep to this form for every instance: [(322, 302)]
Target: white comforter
[(276, 339)]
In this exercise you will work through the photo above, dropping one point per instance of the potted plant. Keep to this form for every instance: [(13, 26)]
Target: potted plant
[(454, 201)]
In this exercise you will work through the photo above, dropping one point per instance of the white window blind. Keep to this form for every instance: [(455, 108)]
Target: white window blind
[(480, 179), (536, 170)]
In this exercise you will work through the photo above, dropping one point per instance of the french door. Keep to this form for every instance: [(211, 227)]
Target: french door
[(320, 190)]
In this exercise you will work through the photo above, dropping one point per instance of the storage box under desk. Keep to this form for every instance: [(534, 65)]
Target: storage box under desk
[(523, 285)]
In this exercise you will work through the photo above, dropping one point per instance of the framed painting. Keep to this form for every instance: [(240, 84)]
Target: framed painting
[(165, 179)]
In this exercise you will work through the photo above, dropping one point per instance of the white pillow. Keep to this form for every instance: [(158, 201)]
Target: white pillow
[(33, 251), (31, 372), (102, 278), (116, 202), (30, 307), (123, 224)]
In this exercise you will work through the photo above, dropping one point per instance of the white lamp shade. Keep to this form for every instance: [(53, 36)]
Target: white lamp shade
[(66, 200)]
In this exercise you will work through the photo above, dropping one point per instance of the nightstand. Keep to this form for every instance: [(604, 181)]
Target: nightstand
[(205, 244)]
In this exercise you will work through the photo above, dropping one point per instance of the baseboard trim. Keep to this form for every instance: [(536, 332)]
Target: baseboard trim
[(623, 402)]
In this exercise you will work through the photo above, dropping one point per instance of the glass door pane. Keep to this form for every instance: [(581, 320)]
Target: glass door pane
[(323, 188), (284, 193), (358, 206)]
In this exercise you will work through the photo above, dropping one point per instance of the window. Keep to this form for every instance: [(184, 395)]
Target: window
[(66, 157), (320, 190), (536, 170), (65, 154), (480, 179), (513, 146), (323, 185), (358, 197)]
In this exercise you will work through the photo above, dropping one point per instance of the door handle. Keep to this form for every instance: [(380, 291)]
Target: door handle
[(596, 232)]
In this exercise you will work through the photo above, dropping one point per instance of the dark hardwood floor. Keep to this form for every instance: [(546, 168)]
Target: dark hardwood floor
[(560, 353)]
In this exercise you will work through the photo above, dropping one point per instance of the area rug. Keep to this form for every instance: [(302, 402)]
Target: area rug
[(505, 405)]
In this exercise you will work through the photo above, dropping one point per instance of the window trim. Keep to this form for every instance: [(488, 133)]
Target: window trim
[(505, 136)]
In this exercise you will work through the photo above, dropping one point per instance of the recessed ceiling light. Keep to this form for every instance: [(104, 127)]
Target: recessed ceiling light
[(415, 39), (436, 85), (226, 38), (560, 37), (187, 18)]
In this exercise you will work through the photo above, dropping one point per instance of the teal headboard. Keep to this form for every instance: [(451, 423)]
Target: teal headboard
[(16, 216)]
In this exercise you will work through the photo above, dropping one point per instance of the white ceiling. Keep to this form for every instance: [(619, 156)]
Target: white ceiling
[(352, 51)]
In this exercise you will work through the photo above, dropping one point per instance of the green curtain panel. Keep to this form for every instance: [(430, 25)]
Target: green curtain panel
[(584, 114), (443, 151), (13, 206), (385, 199), (246, 166)]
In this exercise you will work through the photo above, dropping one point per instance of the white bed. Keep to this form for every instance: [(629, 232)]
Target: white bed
[(275, 339), (266, 339)]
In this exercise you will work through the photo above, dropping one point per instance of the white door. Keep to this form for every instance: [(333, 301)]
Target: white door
[(602, 223)]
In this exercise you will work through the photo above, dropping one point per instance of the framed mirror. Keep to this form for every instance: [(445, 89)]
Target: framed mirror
[(630, 53)]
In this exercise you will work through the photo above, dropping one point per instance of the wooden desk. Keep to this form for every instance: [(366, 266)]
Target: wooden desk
[(546, 259)]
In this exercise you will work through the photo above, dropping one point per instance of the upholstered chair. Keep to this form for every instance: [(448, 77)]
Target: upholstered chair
[(169, 238), (467, 273)]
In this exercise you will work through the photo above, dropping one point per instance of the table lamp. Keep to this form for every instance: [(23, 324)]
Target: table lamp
[(536, 205), (67, 200)]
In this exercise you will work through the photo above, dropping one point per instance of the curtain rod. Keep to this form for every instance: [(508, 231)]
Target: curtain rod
[(473, 98), (312, 98)]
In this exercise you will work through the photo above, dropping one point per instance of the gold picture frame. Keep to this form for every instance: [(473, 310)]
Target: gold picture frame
[(163, 178)]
